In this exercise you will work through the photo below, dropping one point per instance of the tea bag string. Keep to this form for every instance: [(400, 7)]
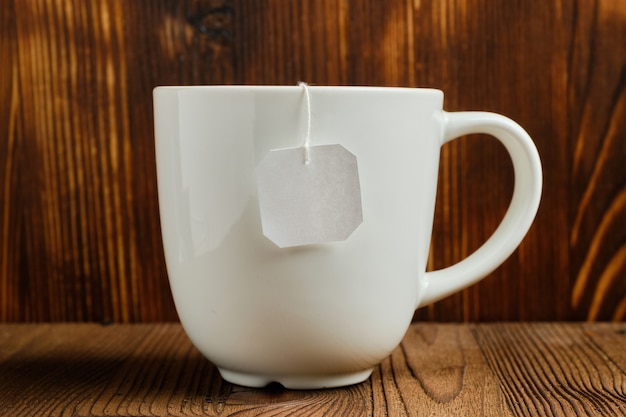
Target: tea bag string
[(307, 139)]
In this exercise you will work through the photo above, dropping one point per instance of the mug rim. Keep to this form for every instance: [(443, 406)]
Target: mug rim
[(285, 88)]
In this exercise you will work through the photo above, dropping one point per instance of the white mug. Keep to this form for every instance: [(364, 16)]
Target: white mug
[(320, 315)]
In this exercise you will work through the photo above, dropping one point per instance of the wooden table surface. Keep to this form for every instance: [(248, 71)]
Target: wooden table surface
[(500, 369)]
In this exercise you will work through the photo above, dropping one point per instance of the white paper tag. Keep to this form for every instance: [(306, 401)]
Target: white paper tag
[(303, 204)]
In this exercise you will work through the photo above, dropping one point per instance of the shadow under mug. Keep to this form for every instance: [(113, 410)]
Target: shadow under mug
[(320, 315)]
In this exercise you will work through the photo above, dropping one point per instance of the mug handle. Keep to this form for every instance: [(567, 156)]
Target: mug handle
[(518, 218)]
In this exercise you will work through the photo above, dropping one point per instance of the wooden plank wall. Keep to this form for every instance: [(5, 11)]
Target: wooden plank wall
[(79, 230)]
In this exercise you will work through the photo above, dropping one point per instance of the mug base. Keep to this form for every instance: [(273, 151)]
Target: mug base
[(302, 382)]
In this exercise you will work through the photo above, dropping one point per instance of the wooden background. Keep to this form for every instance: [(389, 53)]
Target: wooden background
[(79, 229)]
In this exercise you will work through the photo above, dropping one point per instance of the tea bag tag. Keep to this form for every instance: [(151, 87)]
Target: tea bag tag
[(309, 195), (304, 204)]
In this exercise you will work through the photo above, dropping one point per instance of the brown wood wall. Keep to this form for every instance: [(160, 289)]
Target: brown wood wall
[(79, 229)]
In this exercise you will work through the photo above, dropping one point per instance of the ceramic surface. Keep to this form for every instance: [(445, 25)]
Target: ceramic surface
[(320, 315)]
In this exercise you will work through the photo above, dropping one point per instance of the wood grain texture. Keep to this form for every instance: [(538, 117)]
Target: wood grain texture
[(503, 369), (598, 174), (550, 370), (79, 228)]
